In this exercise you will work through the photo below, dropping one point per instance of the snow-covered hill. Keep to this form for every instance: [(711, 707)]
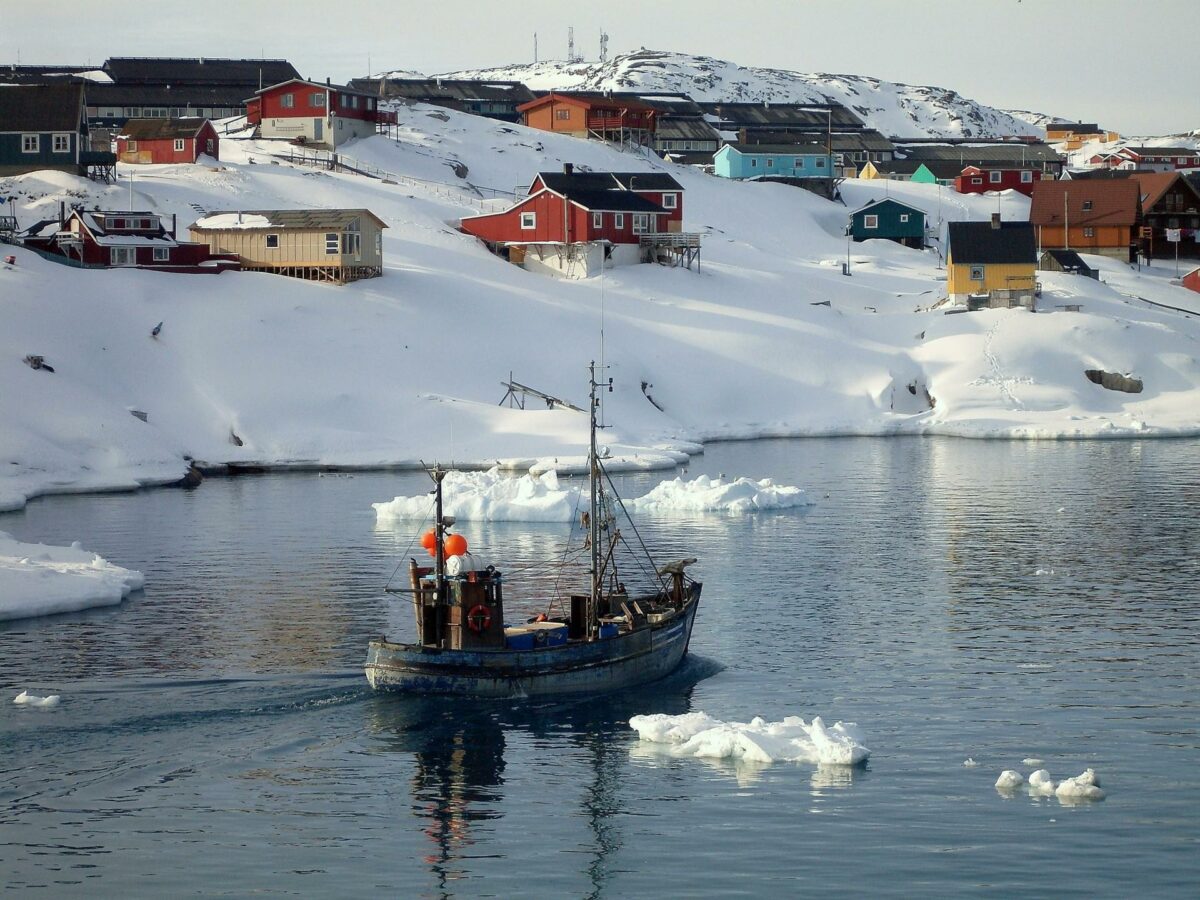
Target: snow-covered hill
[(894, 109), (767, 338)]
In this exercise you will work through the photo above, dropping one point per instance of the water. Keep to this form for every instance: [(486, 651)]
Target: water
[(955, 598)]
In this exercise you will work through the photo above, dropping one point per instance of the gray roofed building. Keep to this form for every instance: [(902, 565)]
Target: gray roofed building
[(201, 70), (782, 116), (491, 99)]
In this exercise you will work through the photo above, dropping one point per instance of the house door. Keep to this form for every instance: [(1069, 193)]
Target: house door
[(318, 129)]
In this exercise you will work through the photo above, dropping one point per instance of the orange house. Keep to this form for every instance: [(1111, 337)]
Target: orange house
[(1089, 216), (607, 117)]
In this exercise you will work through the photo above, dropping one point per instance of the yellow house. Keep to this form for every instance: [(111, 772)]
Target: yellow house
[(992, 264), (1076, 134)]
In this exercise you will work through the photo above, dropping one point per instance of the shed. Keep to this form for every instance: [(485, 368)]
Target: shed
[(167, 141), (890, 220), (336, 245), (1066, 261)]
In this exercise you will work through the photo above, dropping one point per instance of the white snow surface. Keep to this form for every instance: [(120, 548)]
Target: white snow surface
[(393, 370), (39, 580), (27, 699), (890, 107), (792, 739), (705, 494), (233, 221)]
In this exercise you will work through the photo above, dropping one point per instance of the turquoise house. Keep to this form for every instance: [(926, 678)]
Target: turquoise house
[(890, 220), (773, 160)]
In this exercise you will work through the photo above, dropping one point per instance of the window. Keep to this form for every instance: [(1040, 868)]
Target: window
[(208, 146), (162, 254), (995, 177), (1182, 160), (332, 243), (670, 201), (272, 242), (1089, 232), (528, 221), (287, 101), (1026, 178), (31, 143), (1087, 205), (977, 273), (352, 243), (976, 181), (370, 103), (62, 143), (316, 99), (770, 163), (641, 223), (820, 163), (121, 256), (131, 146), (143, 224), (118, 223), (343, 101), (179, 145), (597, 220), (562, 115), (903, 217), (870, 221), (753, 163), (618, 220), (354, 102)]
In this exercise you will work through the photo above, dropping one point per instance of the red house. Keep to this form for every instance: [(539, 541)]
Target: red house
[(1157, 159), (572, 222), (980, 180), (1191, 280), (98, 239), (582, 114), (167, 141), (308, 112)]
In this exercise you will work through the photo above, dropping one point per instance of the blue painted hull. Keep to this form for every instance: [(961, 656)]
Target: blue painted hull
[(610, 664)]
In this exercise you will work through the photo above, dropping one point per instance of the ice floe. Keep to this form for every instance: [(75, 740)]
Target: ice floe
[(27, 699), (1070, 791), (970, 763), (1040, 783), (757, 741), (497, 496), (1009, 781), (1081, 787), (38, 579)]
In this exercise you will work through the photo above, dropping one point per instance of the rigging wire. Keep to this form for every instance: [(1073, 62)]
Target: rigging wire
[(412, 540)]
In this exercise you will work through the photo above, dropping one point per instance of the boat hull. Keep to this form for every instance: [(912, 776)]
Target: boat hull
[(610, 664)]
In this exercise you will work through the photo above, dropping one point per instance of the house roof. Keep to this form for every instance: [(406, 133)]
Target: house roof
[(808, 148), (1076, 127), (1154, 184), (979, 154), (981, 242), (324, 85), (1160, 151), (944, 170), (437, 90), (1113, 201), (609, 181), (610, 200), (1068, 259), (205, 70), (11, 74), (887, 201), (807, 116), (171, 96), (1096, 174), (159, 129), (685, 128), (300, 219), (41, 107), (588, 99)]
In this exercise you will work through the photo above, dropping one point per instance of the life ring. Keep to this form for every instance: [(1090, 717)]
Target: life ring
[(540, 638), (479, 619)]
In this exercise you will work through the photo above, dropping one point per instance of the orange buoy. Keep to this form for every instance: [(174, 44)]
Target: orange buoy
[(429, 540), (456, 545)]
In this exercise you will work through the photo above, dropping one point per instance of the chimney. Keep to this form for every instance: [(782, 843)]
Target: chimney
[(328, 81), (174, 226), (995, 221), (62, 212), (568, 168)]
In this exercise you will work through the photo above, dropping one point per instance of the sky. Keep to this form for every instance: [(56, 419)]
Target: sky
[(1105, 61)]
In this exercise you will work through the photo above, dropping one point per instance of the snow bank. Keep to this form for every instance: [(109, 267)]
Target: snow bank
[(494, 496), (27, 699), (706, 494), (490, 496), (38, 580), (700, 735)]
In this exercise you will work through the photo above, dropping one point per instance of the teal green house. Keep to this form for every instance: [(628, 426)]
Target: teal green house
[(809, 160), (890, 220)]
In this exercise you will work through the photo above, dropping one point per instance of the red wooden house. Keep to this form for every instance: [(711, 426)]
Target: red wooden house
[(106, 239), (1191, 280), (573, 222), (322, 115), (1157, 159), (981, 179), (167, 141), (585, 114)]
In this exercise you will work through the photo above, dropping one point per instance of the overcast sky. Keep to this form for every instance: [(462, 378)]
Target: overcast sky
[(1128, 66)]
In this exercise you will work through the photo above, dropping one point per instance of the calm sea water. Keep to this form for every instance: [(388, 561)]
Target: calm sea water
[(954, 598)]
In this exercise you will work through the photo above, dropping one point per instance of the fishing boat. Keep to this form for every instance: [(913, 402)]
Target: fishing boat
[(605, 638)]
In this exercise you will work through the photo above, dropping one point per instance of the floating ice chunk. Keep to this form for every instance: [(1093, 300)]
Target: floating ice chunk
[(491, 496), (27, 699), (704, 494), (1040, 784), (38, 580), (1081, 787), (970, 763), (1009, 781), (1032, 761), (700, 735)]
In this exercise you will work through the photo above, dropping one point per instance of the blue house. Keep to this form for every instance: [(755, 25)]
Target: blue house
[(890, 220), (803, 160), (44, 126)]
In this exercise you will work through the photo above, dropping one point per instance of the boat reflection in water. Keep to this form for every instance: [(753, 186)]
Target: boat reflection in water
[(461, 753)]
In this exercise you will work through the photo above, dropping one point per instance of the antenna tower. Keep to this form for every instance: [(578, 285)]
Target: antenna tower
[(571, 44), (603, 46), (535, 59)]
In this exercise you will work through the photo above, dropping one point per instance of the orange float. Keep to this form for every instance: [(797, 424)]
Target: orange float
[(456, 545)]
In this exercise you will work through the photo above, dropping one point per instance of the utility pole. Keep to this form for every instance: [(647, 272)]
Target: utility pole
[(535, 59)]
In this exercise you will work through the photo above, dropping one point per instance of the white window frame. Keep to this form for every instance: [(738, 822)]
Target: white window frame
[(272, 242), (31, 143), (62, 143), (287, 101), (754, 162), (976, 180), (180, 145), (1089, 232), (820, 161), (562, 114), (1026, 177), (903, 217), (122, 256), (870, 221), (619, 221), (670, 201), (597, 220), (995, 177), (976, 273), (316, 99), (162, 254), (131, 146), (641, 223), (528, 221), (333, 243)]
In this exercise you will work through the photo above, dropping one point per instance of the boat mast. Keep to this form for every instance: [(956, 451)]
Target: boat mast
[(439, 532), (593, 510)]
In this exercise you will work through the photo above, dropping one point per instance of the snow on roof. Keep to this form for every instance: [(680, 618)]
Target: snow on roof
[(222, 221)]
